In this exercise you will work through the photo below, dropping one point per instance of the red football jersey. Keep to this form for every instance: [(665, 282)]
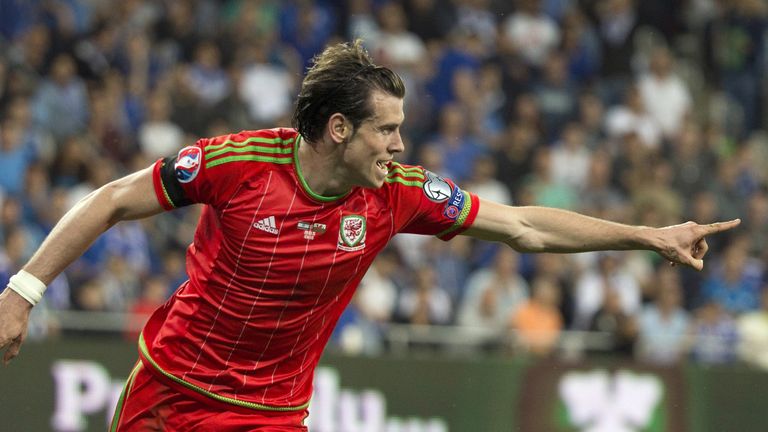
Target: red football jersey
[(273, 265)]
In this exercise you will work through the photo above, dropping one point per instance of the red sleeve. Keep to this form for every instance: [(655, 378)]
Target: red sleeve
[(208, 172), (425, 203)]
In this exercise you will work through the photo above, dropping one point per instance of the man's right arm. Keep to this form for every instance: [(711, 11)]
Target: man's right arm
[(131, 197)]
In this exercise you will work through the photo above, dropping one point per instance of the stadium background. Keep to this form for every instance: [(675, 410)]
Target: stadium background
[(645, 112)]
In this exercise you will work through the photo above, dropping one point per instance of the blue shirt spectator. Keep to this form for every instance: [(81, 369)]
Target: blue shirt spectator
[(735, 285), (715, 336), (16, 154), (61, 103)]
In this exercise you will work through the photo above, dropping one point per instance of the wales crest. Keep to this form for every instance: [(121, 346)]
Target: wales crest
[(352, 233)]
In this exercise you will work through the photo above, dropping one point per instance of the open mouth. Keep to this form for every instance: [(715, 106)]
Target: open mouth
[(383, 165)]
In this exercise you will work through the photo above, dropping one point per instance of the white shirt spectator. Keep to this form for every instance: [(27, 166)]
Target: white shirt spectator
[(267, 90), (160, 139), (570, 159), (753, 338), (620, 121), (533, 35), (591, 286), (376, 296), (664, 94)]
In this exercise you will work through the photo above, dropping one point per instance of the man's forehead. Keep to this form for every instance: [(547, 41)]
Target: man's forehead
[(387, 109)]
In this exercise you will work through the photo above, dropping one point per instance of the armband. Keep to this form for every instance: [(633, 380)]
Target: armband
[(27, 286)]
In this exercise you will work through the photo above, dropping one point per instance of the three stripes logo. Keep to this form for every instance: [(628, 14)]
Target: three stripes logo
[(267, 224)]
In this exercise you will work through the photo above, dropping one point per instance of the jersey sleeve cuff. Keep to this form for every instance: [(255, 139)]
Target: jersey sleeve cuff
[(465, 219)]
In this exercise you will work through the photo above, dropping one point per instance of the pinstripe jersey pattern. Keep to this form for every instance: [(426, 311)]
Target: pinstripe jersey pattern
[(250, 324)]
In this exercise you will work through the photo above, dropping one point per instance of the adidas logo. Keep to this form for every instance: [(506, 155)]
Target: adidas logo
[(267, 224)]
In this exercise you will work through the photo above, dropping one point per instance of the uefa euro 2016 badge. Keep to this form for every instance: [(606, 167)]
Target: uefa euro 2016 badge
[(188, 163), (352, 233)]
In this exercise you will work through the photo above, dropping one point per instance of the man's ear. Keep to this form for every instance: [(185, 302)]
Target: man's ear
[(339, 128)]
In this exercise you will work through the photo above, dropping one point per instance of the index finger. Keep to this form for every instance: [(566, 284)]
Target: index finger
[(717, 227)]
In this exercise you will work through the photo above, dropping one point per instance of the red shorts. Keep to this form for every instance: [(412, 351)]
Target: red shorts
[(149, 404)]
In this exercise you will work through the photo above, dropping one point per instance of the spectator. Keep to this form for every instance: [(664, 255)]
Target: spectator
[(120, 286), (70, 165), (529, 33), (475, 17), (581, 46), (715, 335), (306, 26), (16, 155), (556, 95), (359, 21), (664, 326), (395, 45), (544, 190), (376, 297), (36, 198), (450, 262), (483, 182), (654, 198), (632, 118), (735, 281), (154, 293), (599, 197), (431, 20), (479, 94), (590, 115), (617, 24), (756, 224), (159, 136), (753, 334), (267, 84), (461, 52), (110, 127), (19, 111), (206, 78), (664, 93), (692, 161), (61, 103), (494, 293), (537, 323), (425, 302), (592, 286), (11, 219), (734, 50), (514, 157), (727, 188), (459, 146), (571, 158), (612, 321)]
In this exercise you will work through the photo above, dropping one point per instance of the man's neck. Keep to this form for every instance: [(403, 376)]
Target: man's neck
[(320, 167)]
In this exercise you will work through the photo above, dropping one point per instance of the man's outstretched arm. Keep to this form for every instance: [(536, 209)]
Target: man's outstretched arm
[(543, 229), (131, 197)]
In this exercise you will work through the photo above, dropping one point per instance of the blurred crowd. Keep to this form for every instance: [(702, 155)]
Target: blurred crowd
[(644, 112)]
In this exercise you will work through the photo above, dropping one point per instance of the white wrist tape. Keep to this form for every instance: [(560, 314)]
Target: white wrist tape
[(27, 286)]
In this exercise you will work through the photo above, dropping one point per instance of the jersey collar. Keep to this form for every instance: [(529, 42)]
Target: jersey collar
[(303, 181)]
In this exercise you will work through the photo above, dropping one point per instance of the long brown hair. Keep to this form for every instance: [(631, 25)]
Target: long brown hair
[(341, 80)]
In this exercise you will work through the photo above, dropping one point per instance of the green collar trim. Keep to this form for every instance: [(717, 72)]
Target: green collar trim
[(303, 181)]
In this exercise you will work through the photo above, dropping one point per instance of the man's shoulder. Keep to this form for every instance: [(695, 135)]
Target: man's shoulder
[(265, 136), (404, 176), (251, 147)]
